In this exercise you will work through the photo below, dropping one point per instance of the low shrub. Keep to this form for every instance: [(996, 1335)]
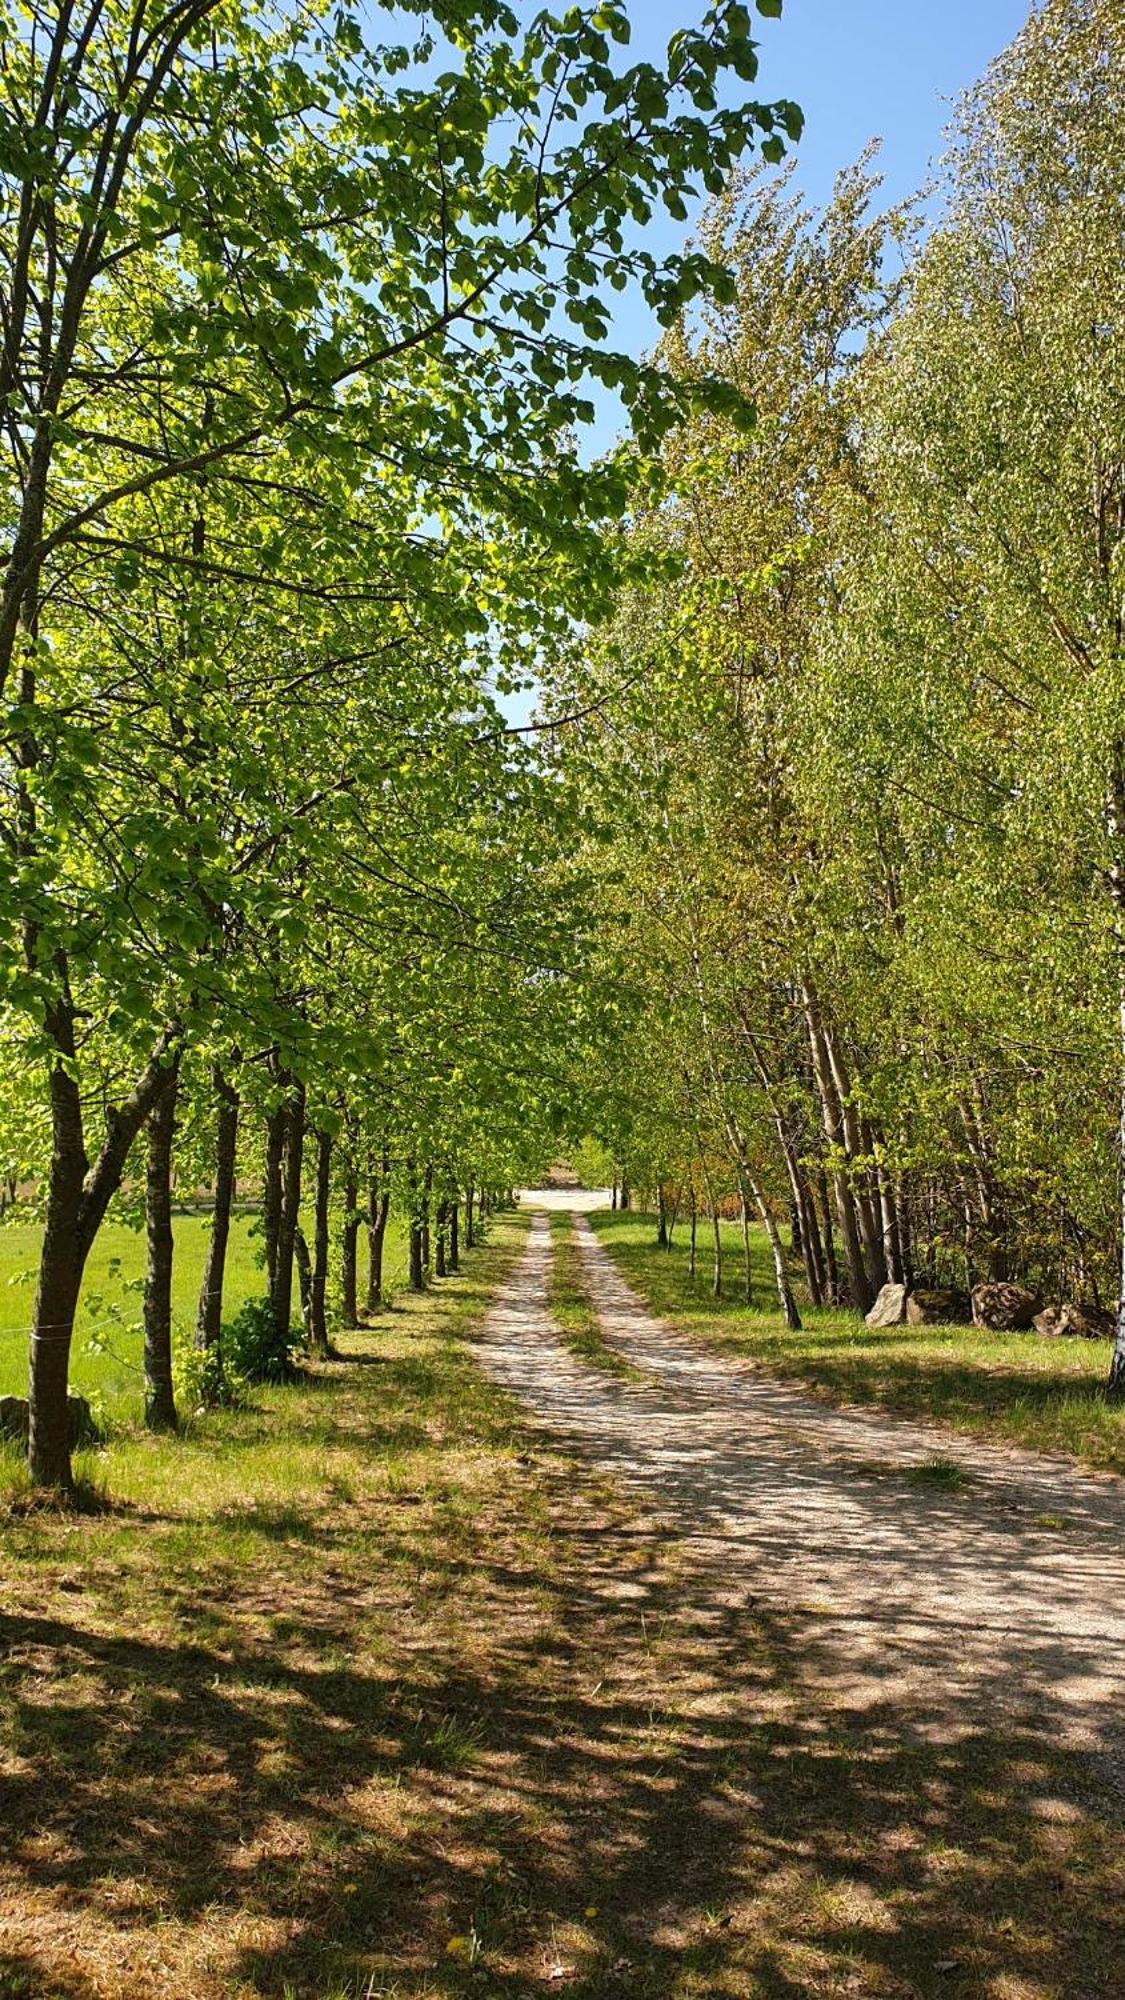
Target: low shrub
[(205, 1379), (253, 1348)]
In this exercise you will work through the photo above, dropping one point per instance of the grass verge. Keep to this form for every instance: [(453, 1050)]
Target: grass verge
[(574, 1315), (1045, 1395)]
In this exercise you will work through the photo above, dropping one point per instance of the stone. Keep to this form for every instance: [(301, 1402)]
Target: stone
[(929, 1306), (80, 1423), (81, 1428), (1074, 1321), (14, 1418), (1001, 1307), (889, 1308)]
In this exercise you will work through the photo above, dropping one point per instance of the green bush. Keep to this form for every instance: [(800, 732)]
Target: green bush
[(204, 1379), (253, 1348)]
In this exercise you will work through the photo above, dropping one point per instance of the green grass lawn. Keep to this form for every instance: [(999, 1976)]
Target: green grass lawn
[(1042, 1394), (105, 1361)]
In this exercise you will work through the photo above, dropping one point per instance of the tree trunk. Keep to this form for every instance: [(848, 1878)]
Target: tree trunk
[(835, 1133), (692, 1237), (806, 1235), (856, 1145), (905, 1230), (348, 1255), (1115, 1387), (674, 1212), (454, 1238), (831, 1268), (160, 1401), (812, 1248), (988, 1202), (624, 1196), (77, 1198), (439, 1261), (378, 1208), (662, 1220), (427, 1185), (746, 1252), (613, 1197), (61, 1263), (717, 1266), (281, 1295), (303, 1262), (209, 1318), (417, 1257), (318, 1320), (892, 1237), (784, 1289), (469, 1237), (276, 1126)]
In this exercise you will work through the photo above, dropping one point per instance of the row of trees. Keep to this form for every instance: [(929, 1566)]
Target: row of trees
[(298, 312), (871, 938)]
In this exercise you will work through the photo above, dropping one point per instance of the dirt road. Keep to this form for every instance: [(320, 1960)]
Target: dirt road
[(956, 1580)]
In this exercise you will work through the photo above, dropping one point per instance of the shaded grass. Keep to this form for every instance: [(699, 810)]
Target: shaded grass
[(574, 1315), (356, 1694), (1045, 1395), (106, 1355)]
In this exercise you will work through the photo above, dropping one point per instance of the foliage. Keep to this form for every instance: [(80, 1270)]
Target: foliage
[(864, 745), (300, 313), (204, 1377), (252, 1348)]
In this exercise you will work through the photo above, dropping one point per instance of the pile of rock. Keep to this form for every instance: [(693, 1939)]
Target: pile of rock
[(899, 1305), (1081, 1322), (998, 1307), (1005, 1308)]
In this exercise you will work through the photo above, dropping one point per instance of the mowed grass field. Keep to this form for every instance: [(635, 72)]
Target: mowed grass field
[(105, 1363), (1046, 1395)]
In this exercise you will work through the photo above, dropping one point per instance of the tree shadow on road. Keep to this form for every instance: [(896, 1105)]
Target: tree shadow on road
[(618, 1780)]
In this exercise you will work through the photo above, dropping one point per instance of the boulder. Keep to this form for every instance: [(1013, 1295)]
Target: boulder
[(889, 1308), (1074, 1321), (80, 1423), (81, 1428), (929, 1306), (14, 1418), (1000, 1307)]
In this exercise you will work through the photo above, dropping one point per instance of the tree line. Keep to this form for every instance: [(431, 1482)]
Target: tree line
[(866, 739), (299, 313)]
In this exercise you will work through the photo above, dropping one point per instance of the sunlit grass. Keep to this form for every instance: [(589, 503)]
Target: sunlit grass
[(105, 1364), (573, 1313), (365, 1691)]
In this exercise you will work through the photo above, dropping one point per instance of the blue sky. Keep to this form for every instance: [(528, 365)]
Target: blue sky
[(859, 69), (866, 68)]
